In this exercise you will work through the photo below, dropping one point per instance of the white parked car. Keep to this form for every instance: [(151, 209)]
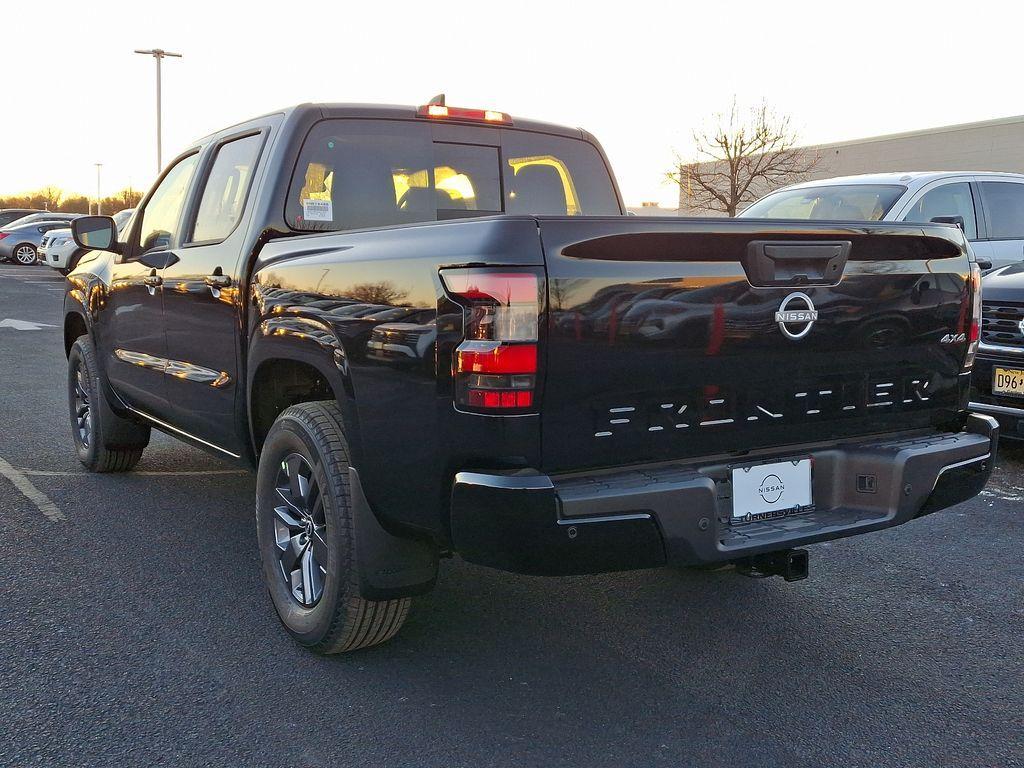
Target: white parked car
[(58, 249), (989, 206)]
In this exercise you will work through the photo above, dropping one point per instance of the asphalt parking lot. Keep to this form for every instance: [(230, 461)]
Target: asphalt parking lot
[(136, 631)]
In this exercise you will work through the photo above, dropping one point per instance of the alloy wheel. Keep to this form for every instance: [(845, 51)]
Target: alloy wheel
[(300, 528), (25, 254), (83, 411)]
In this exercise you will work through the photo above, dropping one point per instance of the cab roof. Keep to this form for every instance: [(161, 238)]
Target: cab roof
[(396, 112)]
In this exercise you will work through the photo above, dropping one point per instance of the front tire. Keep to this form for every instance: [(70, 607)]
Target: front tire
[(104, 441), (305, 528), (25, 254)]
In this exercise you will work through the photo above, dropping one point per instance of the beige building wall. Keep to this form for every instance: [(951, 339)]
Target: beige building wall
[(992, 145)]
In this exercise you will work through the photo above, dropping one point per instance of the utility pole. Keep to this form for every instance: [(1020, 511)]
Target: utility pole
[(99, 197), (159, 54)]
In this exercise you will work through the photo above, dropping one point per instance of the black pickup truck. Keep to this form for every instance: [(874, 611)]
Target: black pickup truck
[(433, 330)]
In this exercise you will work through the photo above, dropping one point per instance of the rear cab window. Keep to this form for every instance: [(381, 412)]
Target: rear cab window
[(357, 173)]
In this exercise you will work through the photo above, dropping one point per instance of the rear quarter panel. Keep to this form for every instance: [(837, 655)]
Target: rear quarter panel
[(407, 440)]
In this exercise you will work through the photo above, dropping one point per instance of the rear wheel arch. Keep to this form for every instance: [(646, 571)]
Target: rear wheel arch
[(74, 327), (278, 383)]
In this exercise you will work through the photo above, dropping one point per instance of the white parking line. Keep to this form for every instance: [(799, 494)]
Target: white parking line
[(33, 494), (143, 473), (24, 325)]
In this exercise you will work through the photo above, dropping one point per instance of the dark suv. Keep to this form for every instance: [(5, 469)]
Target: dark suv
[(999, 369)]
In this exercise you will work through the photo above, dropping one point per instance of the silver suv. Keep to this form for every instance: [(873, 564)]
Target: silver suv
[(988, 206)]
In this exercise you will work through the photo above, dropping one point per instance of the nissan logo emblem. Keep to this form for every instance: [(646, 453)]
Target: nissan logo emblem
[(804, 315)]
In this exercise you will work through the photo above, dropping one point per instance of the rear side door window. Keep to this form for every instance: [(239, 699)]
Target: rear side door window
[(162, 214), (226, 189), (954, 199), (1004, 206)]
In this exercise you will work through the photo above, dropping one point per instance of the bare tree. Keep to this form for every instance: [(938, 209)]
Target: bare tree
[(739, 158), (52, 197), (383, 292), (126, 198)]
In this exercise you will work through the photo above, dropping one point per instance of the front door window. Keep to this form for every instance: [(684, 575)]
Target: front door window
[(163, 210)]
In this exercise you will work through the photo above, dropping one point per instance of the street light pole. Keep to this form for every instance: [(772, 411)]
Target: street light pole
[(99, 197), (159, 54)]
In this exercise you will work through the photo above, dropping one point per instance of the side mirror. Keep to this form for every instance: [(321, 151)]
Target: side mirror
[(983, 264), (958, 220), (97, 233)]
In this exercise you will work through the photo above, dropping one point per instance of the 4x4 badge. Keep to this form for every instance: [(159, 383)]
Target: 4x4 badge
[(806, 317)]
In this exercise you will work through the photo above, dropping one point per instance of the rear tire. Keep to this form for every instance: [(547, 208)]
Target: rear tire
[(25, 254), (304, 524), (104, 441)]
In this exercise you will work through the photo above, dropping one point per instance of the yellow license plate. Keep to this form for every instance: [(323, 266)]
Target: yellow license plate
[(1007, 381)]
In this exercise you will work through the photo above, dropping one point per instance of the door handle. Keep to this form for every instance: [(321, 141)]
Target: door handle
[(152, 281), (217, 281)]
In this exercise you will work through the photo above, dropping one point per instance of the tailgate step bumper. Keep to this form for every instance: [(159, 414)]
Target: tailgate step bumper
[(680, 514)]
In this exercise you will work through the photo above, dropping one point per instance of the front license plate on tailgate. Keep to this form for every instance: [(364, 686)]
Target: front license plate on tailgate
[(764, 490), (1008, 381)]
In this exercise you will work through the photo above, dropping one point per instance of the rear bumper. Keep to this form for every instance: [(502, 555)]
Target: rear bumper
[(1010, 418), (679, 514)]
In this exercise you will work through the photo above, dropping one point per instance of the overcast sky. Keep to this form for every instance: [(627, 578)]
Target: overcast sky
[(637, 75)]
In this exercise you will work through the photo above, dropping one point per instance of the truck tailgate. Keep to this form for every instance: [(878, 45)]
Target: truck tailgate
[(693, 337)]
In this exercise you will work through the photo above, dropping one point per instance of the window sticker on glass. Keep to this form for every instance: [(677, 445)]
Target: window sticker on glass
[(317, 210)]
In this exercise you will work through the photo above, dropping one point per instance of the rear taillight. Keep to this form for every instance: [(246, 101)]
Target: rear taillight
[(495, 367), (3, 235), (974, 334)]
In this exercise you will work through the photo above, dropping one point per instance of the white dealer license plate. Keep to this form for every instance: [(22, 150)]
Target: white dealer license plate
[(763, 490), (1008, 381)]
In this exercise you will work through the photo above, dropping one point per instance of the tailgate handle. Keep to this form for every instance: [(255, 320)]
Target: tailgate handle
[(770, 263)]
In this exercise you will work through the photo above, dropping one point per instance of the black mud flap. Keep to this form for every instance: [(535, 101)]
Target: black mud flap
[(388, 567)]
